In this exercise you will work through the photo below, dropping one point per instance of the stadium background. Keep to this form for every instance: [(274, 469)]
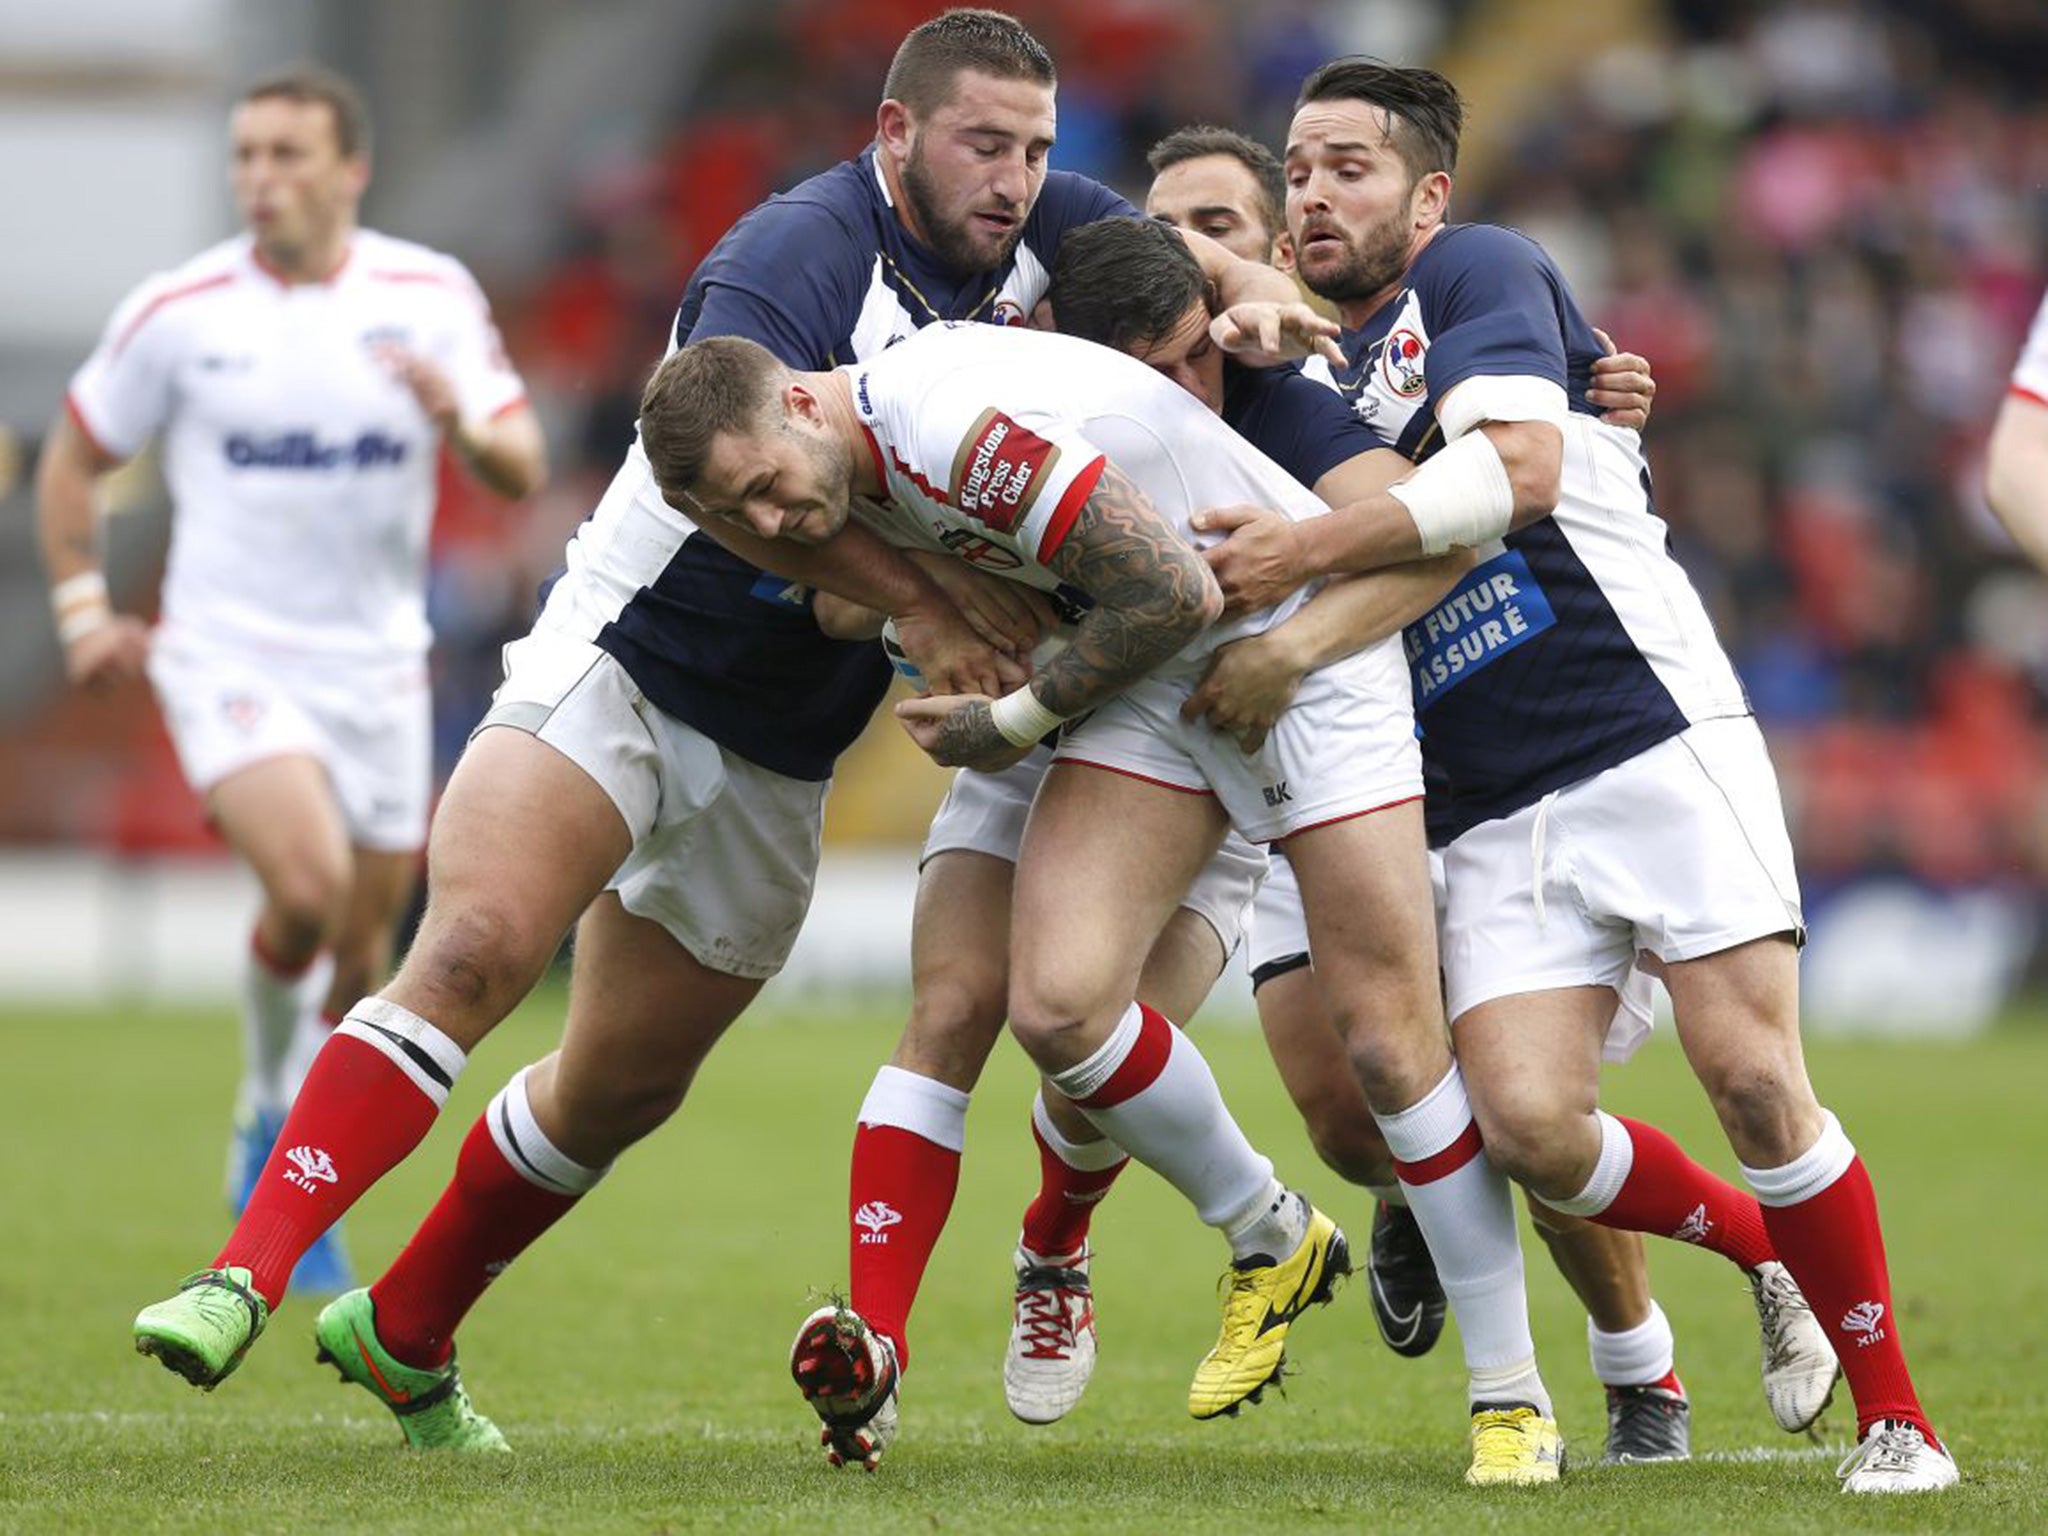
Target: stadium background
[(1823, 221)]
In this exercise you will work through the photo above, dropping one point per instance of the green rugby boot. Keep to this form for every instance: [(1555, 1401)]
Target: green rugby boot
[(432, 1409), (203, 1331)]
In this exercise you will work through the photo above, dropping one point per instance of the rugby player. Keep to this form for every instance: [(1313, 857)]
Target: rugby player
[(1084, 467), (675, 708), (303, 377), (1610, 793), (2016, 466)]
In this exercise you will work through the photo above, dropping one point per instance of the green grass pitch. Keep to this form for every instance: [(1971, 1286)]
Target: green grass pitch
[(637, 1357)]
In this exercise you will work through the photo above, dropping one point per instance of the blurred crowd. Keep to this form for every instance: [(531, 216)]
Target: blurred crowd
[(1825, 222)]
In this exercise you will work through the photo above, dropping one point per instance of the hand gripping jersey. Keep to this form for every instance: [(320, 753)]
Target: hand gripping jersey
[(821, 275), (2030, 373), (1578, 642), (301, 471), (991, 440)]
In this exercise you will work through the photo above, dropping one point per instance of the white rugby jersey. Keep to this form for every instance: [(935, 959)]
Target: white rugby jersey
[(989, 440), (2030, 373), (302, 472)]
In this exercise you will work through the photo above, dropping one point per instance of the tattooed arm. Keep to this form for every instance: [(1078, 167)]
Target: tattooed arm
[(1153, 594)]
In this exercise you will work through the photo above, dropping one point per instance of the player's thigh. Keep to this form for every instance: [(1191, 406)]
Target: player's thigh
[(643, 1014), (959, 966), (1199, 939), (280, 815), (1531, 1064), (523, 840), (1106, 860), (1370, 918)]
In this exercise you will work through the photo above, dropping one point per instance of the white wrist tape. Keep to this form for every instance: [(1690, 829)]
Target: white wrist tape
[(80, 605), (1021, 719), (1500, 397), (1461, 497)]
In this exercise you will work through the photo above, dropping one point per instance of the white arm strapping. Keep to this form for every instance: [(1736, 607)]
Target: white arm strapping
[(1021, 719), (1461, 496), (1500, 397)]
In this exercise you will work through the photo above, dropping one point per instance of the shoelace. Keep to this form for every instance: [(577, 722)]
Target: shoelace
[(1045, 1302), (1776, 1295), (1891, 1449)]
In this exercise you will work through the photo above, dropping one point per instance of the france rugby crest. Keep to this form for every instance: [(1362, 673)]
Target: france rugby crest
[(1401, 362)]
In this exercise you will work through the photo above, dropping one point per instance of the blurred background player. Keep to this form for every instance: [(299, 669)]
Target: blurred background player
[(2016, 470), (305, 376)]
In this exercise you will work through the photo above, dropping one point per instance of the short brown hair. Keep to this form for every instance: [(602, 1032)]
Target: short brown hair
[(1428, 114), (313, 83), (931, 57), (1124, 283), (719, 384), (1201, 140)]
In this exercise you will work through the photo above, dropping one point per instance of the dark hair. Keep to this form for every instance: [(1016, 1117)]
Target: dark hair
[(1205, 139), (1428, 114), (930, 58), (312, 83), (1124, 282), (720, 384)]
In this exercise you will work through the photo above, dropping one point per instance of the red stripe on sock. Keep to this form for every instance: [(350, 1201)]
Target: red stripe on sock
[(898, 1199), (1139, 1069), (487, 1216), (1442, 1164), (355, 1119), (1834, 1246), (1056, 1222)]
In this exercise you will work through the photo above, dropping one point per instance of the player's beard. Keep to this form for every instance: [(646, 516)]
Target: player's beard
[(1373, 261), (950, 240)]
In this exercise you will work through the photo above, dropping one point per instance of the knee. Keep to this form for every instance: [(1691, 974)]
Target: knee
[(1395, 1066), (1051, 1027), (1348, 1142), (594, 1122), (954, 1021), (1761, 1105), (306, 900), (1534, 1144), (480, 957)]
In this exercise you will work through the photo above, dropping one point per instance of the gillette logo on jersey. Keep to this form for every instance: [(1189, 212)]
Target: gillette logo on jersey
[(1494, 609), (998, 470), (303, 450)]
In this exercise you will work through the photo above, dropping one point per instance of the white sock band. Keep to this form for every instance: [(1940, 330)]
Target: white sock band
[(1610, 1171), (414, 1046), (1431, 1123), (1087, 1077), (921, 1105), (1810, 1172), (1636, 1356), (1081, 1156), (526, 1147)]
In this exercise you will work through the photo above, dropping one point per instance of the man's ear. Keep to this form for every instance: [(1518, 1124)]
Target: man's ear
[(1281, 256), (800, 404), (894, 128), (1432, 200)]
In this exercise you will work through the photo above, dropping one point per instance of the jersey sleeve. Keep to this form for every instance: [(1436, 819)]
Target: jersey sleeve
[(1492, 310), (121, 395), (790, 276), (2030, 374), (486, 384), (1304, 427), (1016, 468)]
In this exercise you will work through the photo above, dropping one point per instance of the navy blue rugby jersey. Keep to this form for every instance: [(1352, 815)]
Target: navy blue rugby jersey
[(1578, 641), (821, 275)]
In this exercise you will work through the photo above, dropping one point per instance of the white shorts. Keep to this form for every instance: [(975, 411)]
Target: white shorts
[(725, 853), (370, 725), (1278, 944), (985, 813), (1345, 746), (1679, 852)]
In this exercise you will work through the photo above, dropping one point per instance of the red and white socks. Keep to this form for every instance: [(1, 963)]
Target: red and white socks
[(1642, 1356), (1073, 1176), (1644, 1182), (906, 1167), (1822, 1216), (1150, 1091), (278, 1003), (1468, 1219), (511, 1184), (369, 1099)]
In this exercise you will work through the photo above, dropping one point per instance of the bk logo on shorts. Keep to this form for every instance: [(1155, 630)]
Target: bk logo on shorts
[(999, 469)]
